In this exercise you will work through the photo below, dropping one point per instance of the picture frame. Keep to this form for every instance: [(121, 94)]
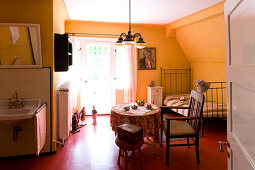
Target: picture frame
[(147, 58)]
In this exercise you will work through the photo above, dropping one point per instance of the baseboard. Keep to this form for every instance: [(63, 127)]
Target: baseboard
[(25, 156)]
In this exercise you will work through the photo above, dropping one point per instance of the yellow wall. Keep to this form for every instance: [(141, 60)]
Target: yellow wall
[(168, 52), (35, 12), (21, 48), (60, 15), (202, 38)]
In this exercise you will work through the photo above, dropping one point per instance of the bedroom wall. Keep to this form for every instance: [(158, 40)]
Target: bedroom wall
[(168, 52), (204, 45), (202, 38)]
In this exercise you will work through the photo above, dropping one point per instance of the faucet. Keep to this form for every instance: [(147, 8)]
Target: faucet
[(16, 102), (15, 96)]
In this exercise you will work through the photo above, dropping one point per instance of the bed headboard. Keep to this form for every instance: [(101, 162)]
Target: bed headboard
[(175, 81)]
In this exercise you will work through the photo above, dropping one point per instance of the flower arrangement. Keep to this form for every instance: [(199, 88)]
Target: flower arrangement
[(126, 108), (140, 102), (134, 107)]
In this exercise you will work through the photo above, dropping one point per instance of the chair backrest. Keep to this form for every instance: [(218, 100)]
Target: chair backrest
[(196, 109)]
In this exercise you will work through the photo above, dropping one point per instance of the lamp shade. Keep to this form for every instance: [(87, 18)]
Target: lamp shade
[(119, 42), (140, 43)]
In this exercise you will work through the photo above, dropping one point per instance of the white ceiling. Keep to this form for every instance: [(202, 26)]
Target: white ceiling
[(142, 11)]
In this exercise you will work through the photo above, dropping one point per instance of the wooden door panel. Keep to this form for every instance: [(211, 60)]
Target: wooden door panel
[(240, 66), (243, 110), (242, 34), (240, 161)]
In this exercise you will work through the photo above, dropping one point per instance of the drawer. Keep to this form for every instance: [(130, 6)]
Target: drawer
[(156, 91)]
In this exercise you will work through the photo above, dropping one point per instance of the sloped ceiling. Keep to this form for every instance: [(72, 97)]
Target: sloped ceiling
[(203, 40)]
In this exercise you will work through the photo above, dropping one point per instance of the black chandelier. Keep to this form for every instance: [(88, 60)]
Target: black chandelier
[(129, 38)]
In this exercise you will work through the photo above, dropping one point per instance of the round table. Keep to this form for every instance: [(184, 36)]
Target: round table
[(148, 119)]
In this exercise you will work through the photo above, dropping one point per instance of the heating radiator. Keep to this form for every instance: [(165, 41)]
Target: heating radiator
[(63, 111)]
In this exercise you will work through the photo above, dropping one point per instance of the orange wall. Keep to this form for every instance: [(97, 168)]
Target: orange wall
[(204, 45), (168, 52), (202, 38)]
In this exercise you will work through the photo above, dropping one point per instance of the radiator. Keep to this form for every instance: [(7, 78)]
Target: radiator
[(63, 111)]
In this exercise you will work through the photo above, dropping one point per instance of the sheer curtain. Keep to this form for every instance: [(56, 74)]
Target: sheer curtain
[(130, 89)]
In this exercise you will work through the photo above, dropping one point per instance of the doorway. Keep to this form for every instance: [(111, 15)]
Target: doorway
[(97, 74)]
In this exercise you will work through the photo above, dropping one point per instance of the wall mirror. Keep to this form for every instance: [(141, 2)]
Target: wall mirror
[(20, 45)]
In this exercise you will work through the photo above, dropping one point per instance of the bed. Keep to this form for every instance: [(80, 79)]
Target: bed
[(176, 85)]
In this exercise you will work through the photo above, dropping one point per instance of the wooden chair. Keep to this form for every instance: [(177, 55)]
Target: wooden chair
[(183, 127)]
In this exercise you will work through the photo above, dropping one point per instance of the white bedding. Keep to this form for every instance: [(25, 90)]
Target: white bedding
[(209, 110)]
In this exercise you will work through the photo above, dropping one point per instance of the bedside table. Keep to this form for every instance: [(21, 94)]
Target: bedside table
[(154, 95)]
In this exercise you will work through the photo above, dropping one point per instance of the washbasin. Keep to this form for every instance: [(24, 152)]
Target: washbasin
[(18, 114)]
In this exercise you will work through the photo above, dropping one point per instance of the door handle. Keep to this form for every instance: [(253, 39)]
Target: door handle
[(225, 143)]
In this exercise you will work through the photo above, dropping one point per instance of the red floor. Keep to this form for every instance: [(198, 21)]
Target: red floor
[(94, 149)]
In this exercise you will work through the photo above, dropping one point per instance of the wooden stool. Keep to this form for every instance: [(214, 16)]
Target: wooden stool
[(132, 143)]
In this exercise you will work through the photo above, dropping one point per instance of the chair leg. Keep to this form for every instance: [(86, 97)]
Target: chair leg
[(161, 136), (140, 158), (126, 158), (197, 149), (119, 156), (167, 151), (188, 142)]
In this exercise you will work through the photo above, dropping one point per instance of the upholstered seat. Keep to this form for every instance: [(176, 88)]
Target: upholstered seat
[(179, 128)]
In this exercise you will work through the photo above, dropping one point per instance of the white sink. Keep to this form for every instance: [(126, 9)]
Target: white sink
[(16, 115)]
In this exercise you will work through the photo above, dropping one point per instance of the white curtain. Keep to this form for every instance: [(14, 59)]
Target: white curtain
[(130, 90)]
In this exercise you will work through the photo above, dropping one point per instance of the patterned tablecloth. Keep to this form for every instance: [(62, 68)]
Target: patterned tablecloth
[(148, 119)]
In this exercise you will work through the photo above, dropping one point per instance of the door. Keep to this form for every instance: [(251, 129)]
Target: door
[(240, 66), (97, 74)]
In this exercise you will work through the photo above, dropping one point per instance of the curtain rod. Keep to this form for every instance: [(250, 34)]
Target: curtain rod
[(73, 34)]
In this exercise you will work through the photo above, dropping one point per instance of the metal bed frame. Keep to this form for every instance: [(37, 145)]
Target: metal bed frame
[(178, 78), (216, 94), (178, 81)]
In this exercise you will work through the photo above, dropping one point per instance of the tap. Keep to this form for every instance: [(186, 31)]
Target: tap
[(15, 96), (10, 103), (16, 102)]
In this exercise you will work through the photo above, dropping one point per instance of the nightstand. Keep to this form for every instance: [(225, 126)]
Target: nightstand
[(154, 95)]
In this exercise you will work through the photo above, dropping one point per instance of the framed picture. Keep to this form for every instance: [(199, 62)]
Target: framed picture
[(147, 59)]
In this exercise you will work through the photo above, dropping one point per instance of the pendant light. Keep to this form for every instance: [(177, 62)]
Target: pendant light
[(129, 40)]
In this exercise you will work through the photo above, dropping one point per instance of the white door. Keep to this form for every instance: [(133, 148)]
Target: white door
[(97, 74), (240, 65)]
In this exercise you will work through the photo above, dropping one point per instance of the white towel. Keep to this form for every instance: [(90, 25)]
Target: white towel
[(40, 121)]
